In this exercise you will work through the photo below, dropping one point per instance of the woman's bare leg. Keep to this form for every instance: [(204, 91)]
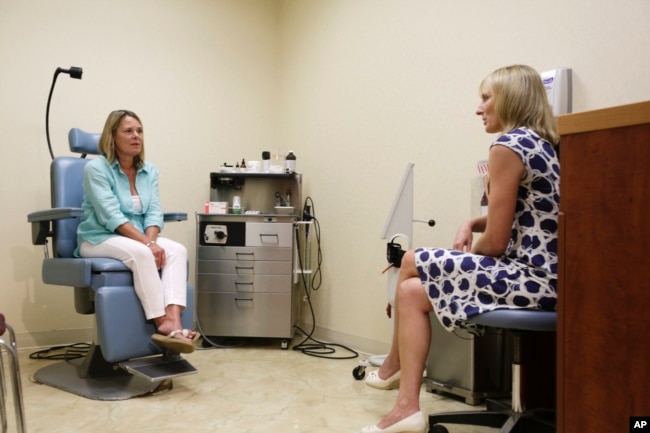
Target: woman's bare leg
[(413, 332), (392, 362)]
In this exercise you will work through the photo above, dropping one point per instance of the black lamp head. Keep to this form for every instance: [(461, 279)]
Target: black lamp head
[(74, 72)]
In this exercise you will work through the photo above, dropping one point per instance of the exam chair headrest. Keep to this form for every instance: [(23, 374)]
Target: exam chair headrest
[(83, 142)]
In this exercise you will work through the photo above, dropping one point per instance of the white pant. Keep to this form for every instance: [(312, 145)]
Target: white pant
[(155, 290)]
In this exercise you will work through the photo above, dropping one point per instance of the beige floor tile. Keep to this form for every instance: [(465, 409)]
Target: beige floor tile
[(247, 389)]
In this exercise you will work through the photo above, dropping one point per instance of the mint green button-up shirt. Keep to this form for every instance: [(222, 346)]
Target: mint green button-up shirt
[(108, 204)]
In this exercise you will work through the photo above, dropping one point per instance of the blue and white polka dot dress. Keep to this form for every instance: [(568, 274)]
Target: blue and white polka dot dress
[(461, 285)]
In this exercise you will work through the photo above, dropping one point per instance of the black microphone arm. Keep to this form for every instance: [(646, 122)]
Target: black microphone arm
[(74, 72)]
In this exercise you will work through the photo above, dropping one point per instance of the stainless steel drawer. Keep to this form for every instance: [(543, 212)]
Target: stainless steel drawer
[(238, 267), (250, 315), (269, 234), (243, 253), (244, 283)]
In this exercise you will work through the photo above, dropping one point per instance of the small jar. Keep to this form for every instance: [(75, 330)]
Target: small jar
[(277, 164), (290, 162)]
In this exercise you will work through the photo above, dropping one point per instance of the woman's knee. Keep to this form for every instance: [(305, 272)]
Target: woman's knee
[(411, 292), (141, 260), (408, 267), (173, 247)]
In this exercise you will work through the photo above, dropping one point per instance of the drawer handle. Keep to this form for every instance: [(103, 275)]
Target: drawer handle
[(237, 284), (248, 268), (245, 254), (270, 234), (243, 299)]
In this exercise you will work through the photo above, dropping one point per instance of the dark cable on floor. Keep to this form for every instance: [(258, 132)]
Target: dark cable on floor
[(317, 348), (65, 352)]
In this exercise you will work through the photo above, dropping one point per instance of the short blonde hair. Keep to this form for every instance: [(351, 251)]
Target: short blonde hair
[(107, 139), (521, 101)]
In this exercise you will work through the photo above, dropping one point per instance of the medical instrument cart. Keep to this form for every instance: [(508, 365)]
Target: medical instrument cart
[(247, 281)]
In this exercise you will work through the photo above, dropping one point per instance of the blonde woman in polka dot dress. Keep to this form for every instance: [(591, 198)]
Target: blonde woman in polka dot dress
[(512, 264)]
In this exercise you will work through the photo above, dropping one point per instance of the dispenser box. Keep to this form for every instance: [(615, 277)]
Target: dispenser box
[(216, 207), (558, 90)]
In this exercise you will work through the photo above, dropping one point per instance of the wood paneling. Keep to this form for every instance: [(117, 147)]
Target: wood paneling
[(603, 336)]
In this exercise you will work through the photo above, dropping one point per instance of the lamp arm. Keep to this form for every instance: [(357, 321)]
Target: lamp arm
[(74, 72), (47, 112)]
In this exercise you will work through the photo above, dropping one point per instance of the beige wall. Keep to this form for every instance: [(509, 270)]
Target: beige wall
[(201, 74), (357, 88)]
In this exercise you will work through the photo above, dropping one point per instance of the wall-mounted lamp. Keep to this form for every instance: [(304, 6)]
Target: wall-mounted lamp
[(74, 72)]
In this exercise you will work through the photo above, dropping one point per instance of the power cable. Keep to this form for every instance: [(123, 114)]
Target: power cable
[(318, 348), (65, 352)]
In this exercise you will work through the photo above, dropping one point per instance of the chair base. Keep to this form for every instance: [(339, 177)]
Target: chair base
[(508, 421), (96, 379), (470, 397)]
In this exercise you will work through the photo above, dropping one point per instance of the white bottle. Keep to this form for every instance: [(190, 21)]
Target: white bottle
[(236, 205)]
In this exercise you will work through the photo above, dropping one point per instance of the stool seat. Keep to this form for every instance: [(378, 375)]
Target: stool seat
[(523, 320)]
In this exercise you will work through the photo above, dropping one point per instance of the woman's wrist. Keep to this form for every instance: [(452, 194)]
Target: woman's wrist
[(150, 243), (477, 225)]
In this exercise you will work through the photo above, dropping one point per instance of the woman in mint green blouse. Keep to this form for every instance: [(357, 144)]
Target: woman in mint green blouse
[(123, 219)]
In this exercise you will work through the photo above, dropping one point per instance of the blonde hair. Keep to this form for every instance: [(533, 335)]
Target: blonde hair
[(107, 139), (521, 101)]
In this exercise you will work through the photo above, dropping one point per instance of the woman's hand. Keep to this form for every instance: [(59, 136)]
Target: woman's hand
[(149, 239), (158, 253), (464, 237)]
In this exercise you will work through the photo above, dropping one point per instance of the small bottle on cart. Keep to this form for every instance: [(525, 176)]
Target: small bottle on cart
[(236, 205), (290, 162), (266, 161)]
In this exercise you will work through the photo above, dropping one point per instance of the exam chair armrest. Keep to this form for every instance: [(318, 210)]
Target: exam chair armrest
[(42, 221), (174, 216)]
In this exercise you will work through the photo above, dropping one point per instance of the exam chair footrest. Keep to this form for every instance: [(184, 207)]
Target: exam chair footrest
[(158, 368)]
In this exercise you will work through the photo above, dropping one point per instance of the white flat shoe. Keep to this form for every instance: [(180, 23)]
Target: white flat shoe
[(375, 381), (416, 423)]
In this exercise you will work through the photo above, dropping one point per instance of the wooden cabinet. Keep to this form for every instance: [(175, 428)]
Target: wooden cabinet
[(604, 271)]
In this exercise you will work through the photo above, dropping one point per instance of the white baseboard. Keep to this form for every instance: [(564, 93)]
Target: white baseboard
[(58, 337), (362, 345), (55, 337)]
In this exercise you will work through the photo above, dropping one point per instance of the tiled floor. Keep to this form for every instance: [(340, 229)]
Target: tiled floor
[(248, 389)]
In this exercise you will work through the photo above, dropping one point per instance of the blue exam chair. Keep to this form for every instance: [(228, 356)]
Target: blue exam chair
[(122, 361)]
